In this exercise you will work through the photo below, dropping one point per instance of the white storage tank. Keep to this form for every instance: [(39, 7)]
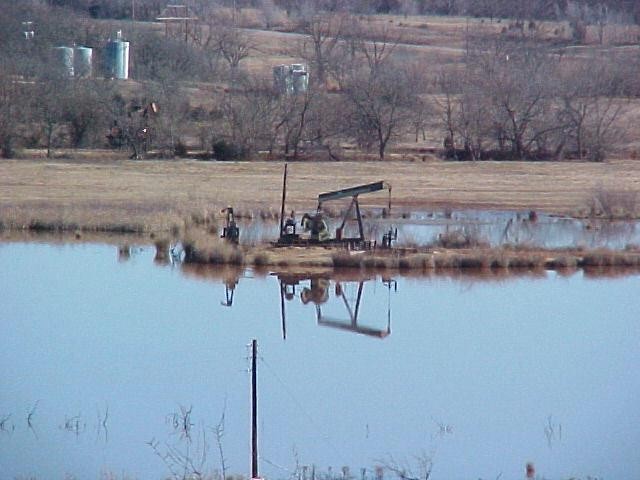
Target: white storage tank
[(300, 78), (291, 79), (117, 58), (63, 61), (83, 61)]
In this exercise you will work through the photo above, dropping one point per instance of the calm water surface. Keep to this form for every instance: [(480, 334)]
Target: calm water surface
[(494, 228), (102, 357)]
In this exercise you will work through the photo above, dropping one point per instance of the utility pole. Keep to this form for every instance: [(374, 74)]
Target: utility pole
[(254, 411), (133, 10), (284, 197)]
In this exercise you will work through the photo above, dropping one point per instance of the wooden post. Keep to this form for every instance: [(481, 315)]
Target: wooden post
[(282, 310), (284, 196), (254, 411)]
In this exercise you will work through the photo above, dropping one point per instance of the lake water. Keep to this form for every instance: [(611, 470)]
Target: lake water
[(494, 228), (110, 366)]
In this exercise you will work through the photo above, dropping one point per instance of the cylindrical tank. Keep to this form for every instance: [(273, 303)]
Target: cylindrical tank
[(63, 61), (83, 61), (117, 59), (300, 78)]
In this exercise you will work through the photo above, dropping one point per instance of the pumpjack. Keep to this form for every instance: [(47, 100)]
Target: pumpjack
[(316, 225)]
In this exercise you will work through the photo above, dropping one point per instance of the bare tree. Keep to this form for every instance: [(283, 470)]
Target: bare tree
[(83, 110), (10, 113), (249, 113), (291, 122), (590, 109), (49, 108), (380, 101), (515, 78), (227, 42), (319, 48)]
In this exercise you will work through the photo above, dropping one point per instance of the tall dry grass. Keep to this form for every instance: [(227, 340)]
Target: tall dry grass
[(614, 204)]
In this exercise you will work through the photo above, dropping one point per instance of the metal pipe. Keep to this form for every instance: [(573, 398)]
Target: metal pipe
[(360, 227)]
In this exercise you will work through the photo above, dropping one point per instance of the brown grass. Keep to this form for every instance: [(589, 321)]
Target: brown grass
[(615, 204), (441, 261), (156, 196)]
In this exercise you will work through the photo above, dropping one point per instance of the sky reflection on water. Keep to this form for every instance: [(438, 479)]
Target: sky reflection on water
[(481, 375)]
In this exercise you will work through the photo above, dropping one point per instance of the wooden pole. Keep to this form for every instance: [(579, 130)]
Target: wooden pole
[(254, 411), (284, 196), (282, 311)]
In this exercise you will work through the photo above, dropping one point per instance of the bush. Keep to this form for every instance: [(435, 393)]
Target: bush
[(224, 151), (180, 148), (6, 147)]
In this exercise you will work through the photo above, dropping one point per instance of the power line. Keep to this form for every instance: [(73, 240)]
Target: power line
[(324, 437)]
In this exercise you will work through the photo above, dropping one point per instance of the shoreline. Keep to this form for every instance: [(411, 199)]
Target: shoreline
[(425, 259), (201, 247)]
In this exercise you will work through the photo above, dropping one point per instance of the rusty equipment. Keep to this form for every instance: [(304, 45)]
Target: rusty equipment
[(231, 231), (136, 132)]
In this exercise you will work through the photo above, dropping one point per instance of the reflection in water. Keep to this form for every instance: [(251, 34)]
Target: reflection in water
[(533, 367), (495, 228), (229, 289), (316, 291)]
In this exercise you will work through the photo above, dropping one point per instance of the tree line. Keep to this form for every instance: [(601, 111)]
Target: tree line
[(586, 10), (507, 98)]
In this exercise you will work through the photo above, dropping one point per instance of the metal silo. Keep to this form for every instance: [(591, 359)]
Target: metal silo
[(300, 78), (117, 58), (63, 61), (83, 61)]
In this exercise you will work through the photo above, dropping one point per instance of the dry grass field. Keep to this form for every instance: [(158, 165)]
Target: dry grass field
[(156, 196)]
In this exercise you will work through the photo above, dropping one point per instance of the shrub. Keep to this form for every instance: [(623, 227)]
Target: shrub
[(225, 151), (180, 148), (6, 147), (614, 204)]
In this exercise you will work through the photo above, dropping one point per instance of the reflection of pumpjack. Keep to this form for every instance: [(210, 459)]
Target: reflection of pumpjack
[(229, 290), (318, 293)]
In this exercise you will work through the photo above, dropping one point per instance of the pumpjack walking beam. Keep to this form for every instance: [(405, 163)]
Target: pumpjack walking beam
[(354, 192)]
